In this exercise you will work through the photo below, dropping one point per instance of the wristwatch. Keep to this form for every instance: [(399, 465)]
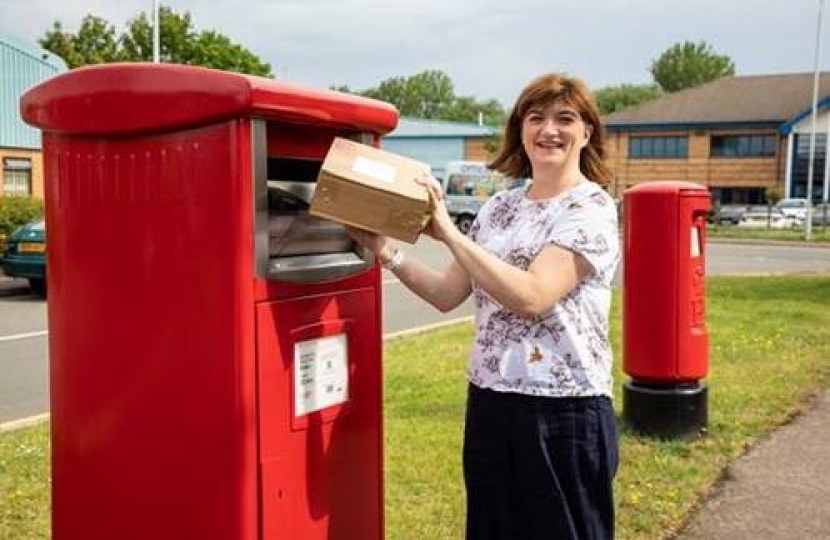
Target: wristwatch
[(394, 261)]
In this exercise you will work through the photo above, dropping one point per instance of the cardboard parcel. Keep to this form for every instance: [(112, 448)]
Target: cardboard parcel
[(372, 189)]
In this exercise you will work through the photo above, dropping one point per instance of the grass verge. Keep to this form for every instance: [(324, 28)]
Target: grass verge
[(820, 234), (770, 350), (24, 483)]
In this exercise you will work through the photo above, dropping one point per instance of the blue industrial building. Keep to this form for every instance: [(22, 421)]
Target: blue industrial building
[(438, 142), (22, 66)]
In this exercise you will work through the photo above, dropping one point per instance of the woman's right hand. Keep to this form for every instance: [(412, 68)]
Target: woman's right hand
[(440, 225)]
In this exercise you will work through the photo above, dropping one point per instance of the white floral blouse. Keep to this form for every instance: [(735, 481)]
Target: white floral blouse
[(565, 352)]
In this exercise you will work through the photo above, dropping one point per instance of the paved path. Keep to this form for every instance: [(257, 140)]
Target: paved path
[(779, 490)]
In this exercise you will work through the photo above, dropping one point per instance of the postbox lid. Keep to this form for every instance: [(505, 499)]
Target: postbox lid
[(670, 186), (671, 192), (128, 98)]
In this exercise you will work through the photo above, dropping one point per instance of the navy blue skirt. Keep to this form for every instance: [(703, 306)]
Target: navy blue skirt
[(539, 467)]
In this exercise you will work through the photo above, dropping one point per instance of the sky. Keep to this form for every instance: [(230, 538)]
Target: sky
[(489, 48)]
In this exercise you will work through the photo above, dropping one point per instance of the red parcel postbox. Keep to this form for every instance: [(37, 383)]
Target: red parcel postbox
[(214, 350), (665, 340)]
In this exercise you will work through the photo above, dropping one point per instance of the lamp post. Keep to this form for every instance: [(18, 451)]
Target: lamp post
[(826, 187), (808, 222), (156, 31)]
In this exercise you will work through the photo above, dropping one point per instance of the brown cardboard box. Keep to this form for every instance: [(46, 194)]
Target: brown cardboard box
[(372, 189)]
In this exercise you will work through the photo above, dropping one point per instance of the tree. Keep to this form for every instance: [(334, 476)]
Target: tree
[(468, 109), (431, 95), (96, 43), (615, 98), (774, 194), (423, 95), (175, 37), (688, 64)]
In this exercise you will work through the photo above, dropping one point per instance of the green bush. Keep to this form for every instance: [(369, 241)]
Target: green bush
[(16, 211)]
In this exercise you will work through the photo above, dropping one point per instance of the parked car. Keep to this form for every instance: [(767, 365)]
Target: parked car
[(796, 208), (25, 255), (727, 214), (768, 216), (821, 214)]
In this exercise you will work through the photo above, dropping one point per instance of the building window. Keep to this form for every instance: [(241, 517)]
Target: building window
[(658, 147), (738, 195), (801, 166), (17, 176), (743, 146)]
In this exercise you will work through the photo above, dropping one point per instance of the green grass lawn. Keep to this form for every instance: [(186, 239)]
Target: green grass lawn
[(770, 350), (820, 234)]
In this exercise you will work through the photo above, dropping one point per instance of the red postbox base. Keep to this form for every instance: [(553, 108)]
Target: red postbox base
[(677, 411)]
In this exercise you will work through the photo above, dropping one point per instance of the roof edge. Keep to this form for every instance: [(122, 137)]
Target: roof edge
[(688, 126), (787, 127), (37, 53)]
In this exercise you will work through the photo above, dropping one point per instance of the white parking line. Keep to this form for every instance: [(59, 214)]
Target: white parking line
[(27, 335)]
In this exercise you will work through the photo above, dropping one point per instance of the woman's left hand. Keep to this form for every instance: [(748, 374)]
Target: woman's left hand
[(440, 225)]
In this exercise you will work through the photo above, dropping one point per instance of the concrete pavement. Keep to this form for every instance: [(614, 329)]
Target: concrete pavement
[(779, 490)]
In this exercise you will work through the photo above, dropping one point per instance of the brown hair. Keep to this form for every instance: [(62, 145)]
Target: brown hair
[(512, 160)]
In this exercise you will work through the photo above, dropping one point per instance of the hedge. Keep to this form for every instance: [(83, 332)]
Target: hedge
[(16, 211)]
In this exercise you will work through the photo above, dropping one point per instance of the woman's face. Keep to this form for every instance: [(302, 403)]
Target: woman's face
[(554, 135)]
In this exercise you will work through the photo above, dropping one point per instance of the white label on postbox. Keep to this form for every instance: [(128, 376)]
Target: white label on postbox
[(374, 169), (321, 374), (695, 237)]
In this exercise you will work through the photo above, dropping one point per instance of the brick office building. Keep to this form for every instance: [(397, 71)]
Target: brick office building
[(739, 136)]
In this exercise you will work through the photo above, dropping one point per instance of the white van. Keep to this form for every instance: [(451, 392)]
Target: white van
[(467, 184)]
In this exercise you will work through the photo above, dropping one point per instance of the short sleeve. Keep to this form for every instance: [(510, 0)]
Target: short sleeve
[(588, 226)]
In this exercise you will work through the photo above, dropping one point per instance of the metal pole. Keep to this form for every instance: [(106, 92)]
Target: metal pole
[(824, 192), (808, 221), (156, 31)]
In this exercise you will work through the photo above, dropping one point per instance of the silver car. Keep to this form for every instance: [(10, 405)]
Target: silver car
[(770, 217)]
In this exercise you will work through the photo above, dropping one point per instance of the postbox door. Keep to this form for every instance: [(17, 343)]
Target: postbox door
[(320, 417), (693, 336)]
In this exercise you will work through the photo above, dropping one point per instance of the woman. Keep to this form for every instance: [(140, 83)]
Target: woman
[(540, 441)]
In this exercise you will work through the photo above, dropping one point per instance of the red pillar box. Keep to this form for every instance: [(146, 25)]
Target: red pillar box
[(665, 340), (214, 350)]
